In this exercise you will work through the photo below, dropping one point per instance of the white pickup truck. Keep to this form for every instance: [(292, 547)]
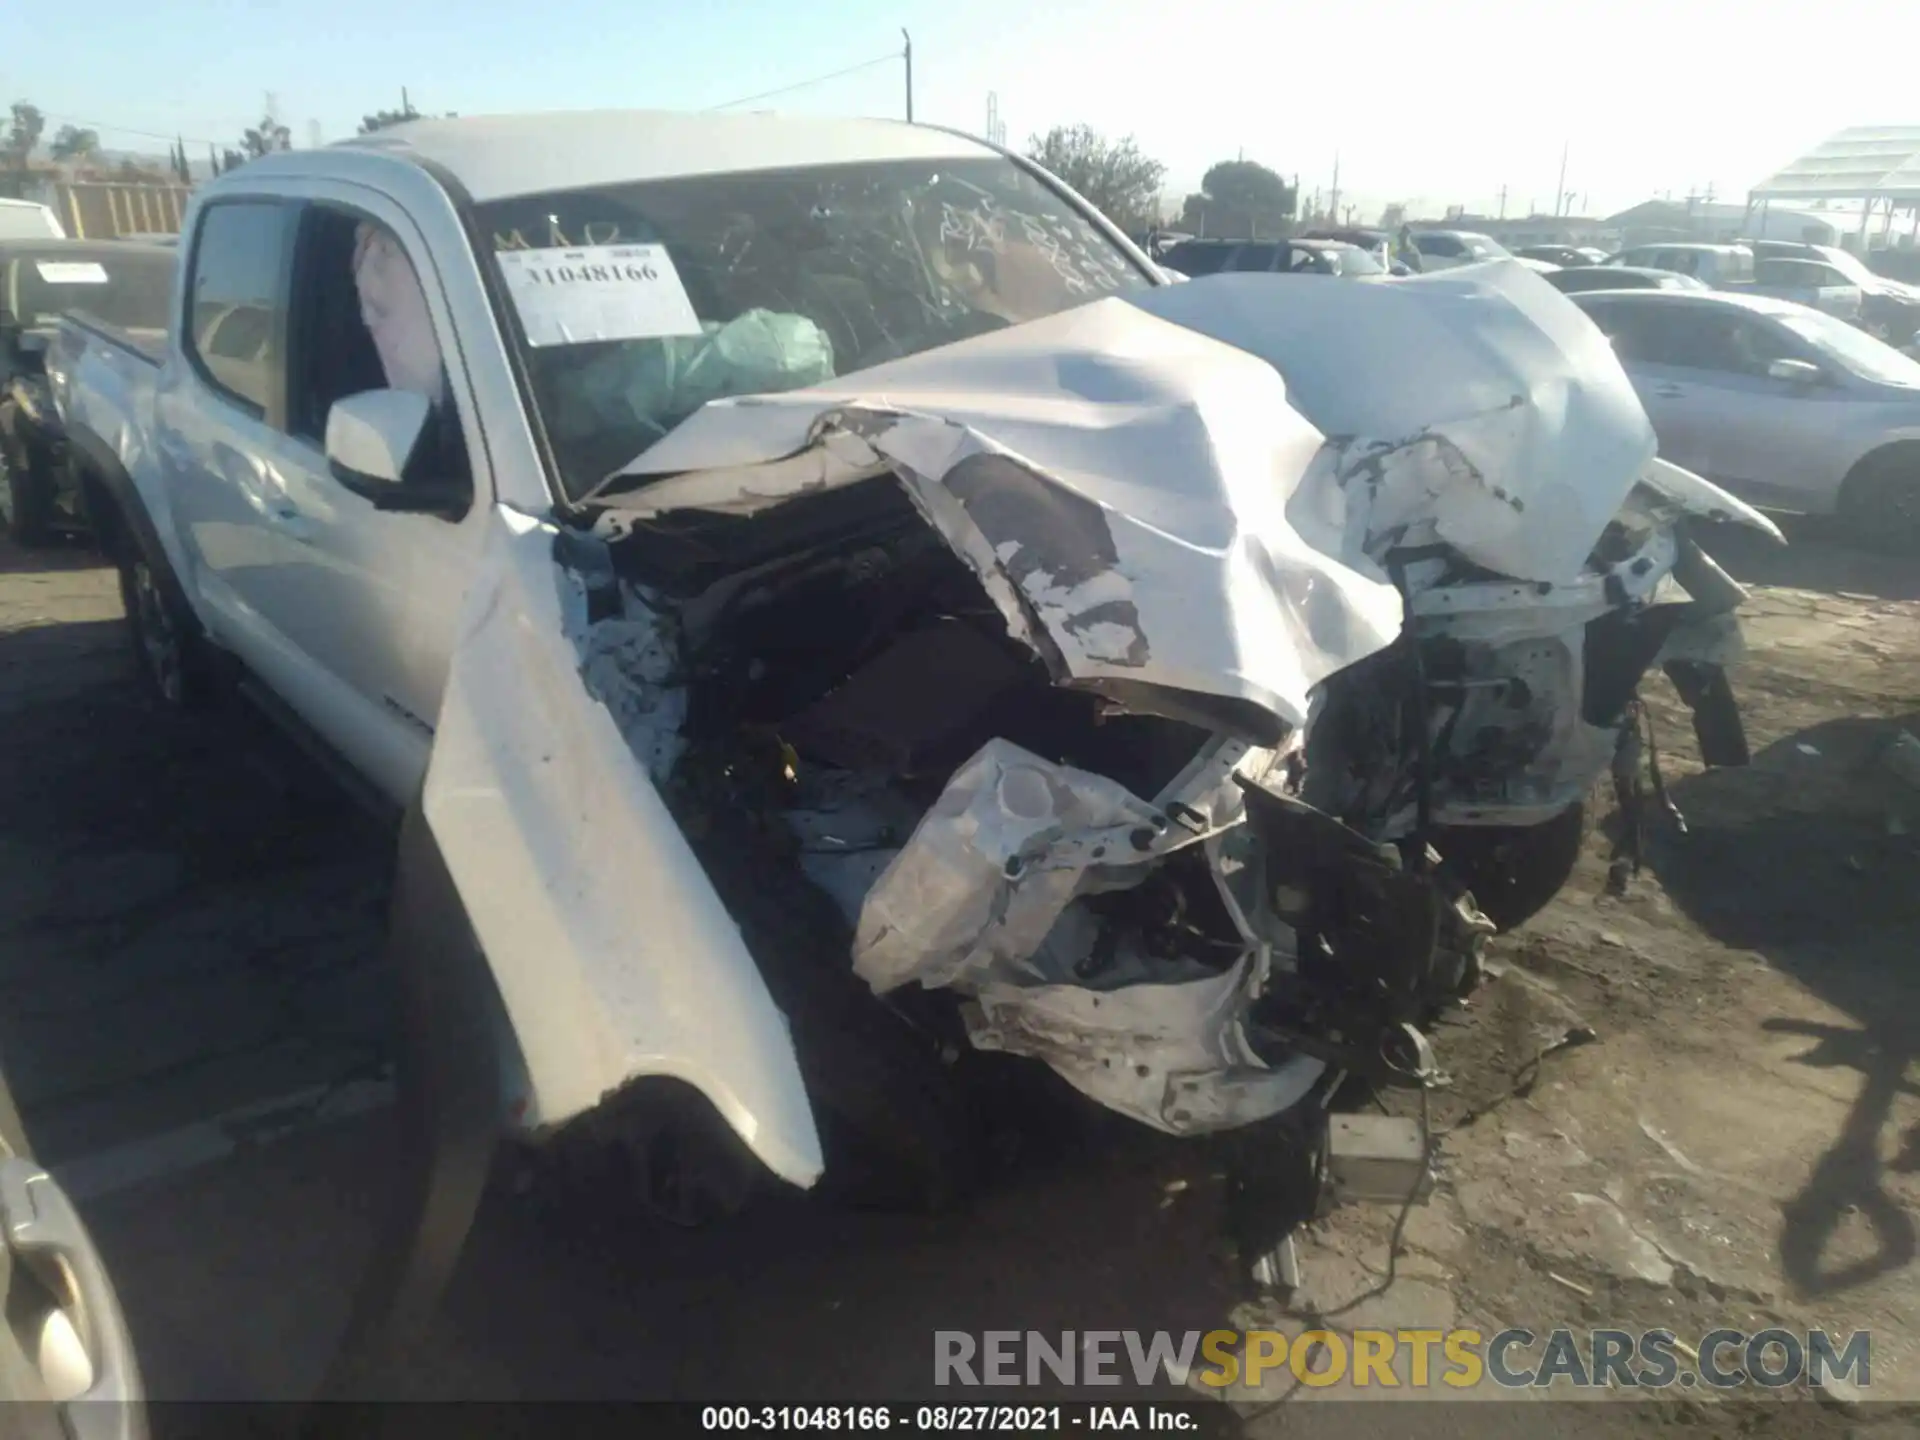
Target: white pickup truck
[(827, 606)]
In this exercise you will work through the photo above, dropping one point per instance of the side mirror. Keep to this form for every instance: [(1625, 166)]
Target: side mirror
[(1400, 267), (1797, 372), (371, 440)]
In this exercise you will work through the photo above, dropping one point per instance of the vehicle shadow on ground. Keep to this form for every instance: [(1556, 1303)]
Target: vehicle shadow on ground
[(62, 552), (1807, 858), (1096, 1225), (1815, 557)]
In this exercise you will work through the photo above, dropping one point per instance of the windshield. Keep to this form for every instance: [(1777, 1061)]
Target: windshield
[(130, 288), (1854, 349), (1481, 248), (639, 303)]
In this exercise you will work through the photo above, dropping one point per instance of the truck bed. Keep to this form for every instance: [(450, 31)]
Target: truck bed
[(148, 345)]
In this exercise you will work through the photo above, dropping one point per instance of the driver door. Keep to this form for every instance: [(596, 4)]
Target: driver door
[(67, 1367)]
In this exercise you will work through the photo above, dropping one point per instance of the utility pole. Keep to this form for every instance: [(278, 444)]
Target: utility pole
[(1333, 195), (907, 56), (1503, 202), (406, 105), (1560, 195)]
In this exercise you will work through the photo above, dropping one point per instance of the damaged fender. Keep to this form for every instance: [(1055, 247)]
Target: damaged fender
[(614, 957)]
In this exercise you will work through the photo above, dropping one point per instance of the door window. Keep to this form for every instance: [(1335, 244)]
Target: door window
[(1259, 256), (361, 322), (1444, 246), (236, 316), (1691, 337)]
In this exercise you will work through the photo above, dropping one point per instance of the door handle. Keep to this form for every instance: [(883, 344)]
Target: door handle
[(290, 520), (1669, 392), (37, 1217)]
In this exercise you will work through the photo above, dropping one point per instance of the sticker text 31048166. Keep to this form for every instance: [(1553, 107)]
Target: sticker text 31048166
[(597, 292)]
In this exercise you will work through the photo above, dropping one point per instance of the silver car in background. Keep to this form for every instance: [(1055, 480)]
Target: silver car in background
[(1781, 404)]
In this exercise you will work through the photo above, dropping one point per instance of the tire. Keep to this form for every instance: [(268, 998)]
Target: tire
[(1514, 871), (1880, 501), (29, 500), (172, 659), (896, 1131)]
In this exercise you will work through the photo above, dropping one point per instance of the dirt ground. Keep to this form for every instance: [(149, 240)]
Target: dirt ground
[(1741, 1148), (189, 924)]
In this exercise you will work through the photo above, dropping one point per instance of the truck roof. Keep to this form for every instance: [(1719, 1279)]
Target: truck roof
[(496, 157)]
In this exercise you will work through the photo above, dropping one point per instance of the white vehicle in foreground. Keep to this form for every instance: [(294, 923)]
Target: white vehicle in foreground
[(825, 602)]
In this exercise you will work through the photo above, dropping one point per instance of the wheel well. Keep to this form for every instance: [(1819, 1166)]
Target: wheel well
[(102, 510), (1870, 463)]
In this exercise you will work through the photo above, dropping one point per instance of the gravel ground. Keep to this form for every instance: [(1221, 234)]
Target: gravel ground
[(189, 966)]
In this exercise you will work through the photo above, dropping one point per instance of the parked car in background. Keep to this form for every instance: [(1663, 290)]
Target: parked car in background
[(1302, 256), (114, 284), (1888, 308), (1779, 403), (29, 220), (1444, 249), (67, 1362), (1377, 243), (1809, 283), (1580, 278), (1720, 266), (1902, 264), (1564, 256)]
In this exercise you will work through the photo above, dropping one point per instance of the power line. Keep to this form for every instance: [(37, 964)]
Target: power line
[(816, 80), (129, 130)]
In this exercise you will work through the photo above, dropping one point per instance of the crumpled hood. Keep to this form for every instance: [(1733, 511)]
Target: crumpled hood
[(1478, 401), (1184, 489)]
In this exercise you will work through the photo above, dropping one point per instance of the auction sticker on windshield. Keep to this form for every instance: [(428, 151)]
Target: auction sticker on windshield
[(597, 292), (71, 272)]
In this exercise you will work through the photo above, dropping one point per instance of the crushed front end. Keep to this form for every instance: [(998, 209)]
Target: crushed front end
[(1079, 675)]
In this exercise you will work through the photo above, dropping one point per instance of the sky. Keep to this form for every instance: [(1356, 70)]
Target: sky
[(1427, 102)]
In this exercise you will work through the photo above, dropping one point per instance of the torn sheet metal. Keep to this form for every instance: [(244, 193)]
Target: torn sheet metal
[(1693, 494), (615, 959), (983, 899), (1479, 400), (1118, 482), (1171, 1056), (992, 865)]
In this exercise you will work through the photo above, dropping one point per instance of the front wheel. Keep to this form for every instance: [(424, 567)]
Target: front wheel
[(1880, 502), (1514, 871), (29, 501)]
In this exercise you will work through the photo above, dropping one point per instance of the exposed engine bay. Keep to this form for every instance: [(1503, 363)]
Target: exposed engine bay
[(1142, 756)]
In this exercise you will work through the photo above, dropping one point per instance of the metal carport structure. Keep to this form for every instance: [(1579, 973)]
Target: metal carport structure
[(1878, 165)]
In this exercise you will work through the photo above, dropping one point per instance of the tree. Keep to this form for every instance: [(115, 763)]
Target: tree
[(74, 143), (1121, 182), (24, 128), (266, 137), (182, 171), (1240, 198), (134, 172)]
